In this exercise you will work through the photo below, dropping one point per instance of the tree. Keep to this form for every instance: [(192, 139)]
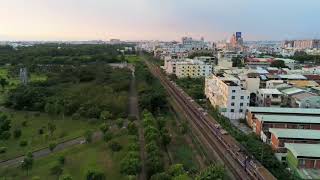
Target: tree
[(17, 133), (131, 164), (115, 146), (132, 128), (62, 160), (50, 108), (52, 145), (65, 177), (176, 170), (27, 162), (160, 176), (3, 83), (119, 122), (278, 64), (107, 136), (94, 174), (88, 136), (5, 126), (51, 128), (237, 62), (212, 172), (105, 115), (104, 127)]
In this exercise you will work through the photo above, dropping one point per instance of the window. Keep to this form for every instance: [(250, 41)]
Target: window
[(233, 91), (233, 97), (241, 110), (242, 97), (241, 104), (232, 104), (232, 110)]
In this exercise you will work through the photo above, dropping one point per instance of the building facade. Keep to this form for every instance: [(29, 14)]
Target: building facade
[(225, 93)]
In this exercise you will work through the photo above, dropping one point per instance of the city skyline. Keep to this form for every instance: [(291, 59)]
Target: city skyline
[(157, 20)]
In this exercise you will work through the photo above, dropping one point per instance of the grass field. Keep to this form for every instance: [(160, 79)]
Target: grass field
[(133, 59), (78, 160), (65, 129)]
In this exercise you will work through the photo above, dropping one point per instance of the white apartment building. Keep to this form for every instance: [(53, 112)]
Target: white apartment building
[(225, 93), (268, 97), (187, 68)]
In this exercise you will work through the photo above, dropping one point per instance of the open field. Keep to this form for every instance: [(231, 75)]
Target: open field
[(65, 129), (78, 160), (132, 58)]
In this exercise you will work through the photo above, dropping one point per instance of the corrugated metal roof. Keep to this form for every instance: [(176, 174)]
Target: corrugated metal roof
[(277, 110), (269, 91), (292, 90), (289, 119), (292, 76), (295, 133), (305, 150)]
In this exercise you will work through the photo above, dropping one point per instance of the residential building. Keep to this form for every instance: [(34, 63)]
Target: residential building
[(187, 68), (225, 93), (268, 97)]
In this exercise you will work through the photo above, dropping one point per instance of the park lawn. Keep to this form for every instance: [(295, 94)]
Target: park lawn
[(78, 160), (65, 129), (133, 58)]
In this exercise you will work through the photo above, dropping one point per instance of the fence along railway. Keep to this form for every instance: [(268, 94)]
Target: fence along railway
[(237, 160)]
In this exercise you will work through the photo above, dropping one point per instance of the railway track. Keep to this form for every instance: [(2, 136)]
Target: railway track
[(239, 163)]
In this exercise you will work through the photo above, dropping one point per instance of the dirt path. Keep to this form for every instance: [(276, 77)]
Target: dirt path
[(134, 111)]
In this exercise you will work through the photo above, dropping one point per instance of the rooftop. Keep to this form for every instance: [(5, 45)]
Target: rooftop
[(269, 91), (304, 150), (295, 133), (276, 110), (285, 60), (288, 119), (292, 90), (292, 76)]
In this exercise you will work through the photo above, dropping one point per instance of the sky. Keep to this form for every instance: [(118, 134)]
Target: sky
[(158, 19)]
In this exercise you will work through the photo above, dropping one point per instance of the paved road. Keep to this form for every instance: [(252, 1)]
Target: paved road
[(134, 111), (46, 152)]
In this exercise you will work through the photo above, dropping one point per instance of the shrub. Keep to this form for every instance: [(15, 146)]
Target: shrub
[(132, 128), (17, 133), (65, 177), (52, 145), (95, 175), (75, 116), (40, 131), (56, 169), (3, 150), (115, 146), (107, 136), (88, 136), (104, 127), (93, 120), (62, 160), (24, 123), (5, 135), (23, 143), (119, 122)]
